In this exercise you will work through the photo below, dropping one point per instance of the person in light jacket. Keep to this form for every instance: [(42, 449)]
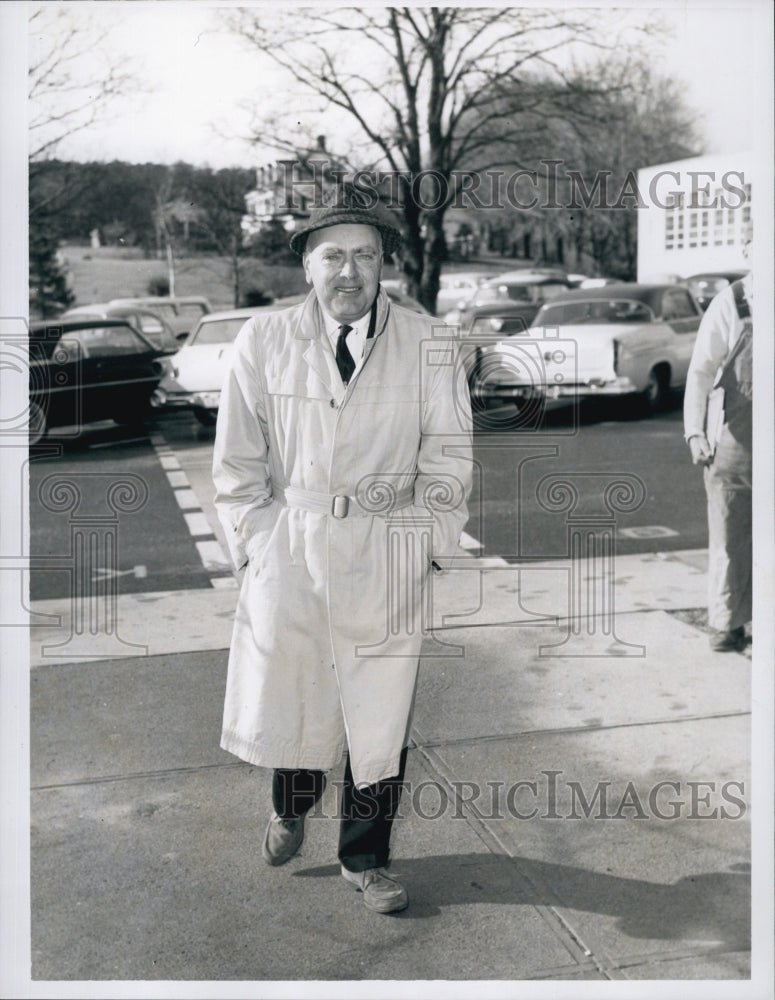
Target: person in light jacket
[(342, 468), (722, 356)]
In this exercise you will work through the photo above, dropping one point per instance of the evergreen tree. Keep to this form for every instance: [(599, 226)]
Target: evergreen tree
[(49, 291)]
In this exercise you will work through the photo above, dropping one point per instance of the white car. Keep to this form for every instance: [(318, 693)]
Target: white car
[(196, 373), (457, 287), (621, 340)]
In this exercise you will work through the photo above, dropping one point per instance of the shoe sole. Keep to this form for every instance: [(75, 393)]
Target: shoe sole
[(392, 908)]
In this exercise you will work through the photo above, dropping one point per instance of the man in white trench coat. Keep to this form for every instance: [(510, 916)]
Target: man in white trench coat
[(342, 469)]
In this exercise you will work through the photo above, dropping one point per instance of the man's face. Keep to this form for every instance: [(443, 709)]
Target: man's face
[(343, 264)]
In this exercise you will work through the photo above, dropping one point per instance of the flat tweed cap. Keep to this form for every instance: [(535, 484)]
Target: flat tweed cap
[(347, 205)]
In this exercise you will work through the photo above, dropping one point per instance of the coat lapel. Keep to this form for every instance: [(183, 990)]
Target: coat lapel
[(318, 356)]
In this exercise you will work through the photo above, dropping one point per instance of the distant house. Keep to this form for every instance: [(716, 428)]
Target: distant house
[(696, 215), (286, 190)]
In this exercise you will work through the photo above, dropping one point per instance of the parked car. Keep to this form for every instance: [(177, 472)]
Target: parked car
[(456, 287), (152, 326), (199, 368), (598, 282), (708, 284), (82, 370), (526, 290), (621, 340), (394, 291), (180, 312)]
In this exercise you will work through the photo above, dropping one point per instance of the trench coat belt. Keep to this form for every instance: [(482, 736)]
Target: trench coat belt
[(340, 505)]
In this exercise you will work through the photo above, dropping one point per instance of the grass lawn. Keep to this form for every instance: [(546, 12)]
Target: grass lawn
[(116, 272), (123, 272)]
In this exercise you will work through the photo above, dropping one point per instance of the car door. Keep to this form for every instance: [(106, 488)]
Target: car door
[(682, 315), (153, 328), (56, 375), (119, 371)]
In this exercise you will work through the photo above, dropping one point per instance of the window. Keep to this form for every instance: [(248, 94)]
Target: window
[(107, 341), (676, 304), (222, 331), (148, 324), (546, 293)]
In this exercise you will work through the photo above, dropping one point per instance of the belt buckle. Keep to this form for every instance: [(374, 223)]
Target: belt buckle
[(340, 505)]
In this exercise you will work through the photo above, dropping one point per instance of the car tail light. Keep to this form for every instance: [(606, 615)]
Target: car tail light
[(616, 347)]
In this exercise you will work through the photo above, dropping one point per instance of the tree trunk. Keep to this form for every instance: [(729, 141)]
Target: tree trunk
[(412, 260), (435, 253)]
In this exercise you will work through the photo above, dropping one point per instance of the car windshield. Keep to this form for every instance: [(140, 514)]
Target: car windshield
[(218, 331), (597, 312)]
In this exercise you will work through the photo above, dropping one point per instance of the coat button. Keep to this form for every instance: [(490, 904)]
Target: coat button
[(333, 404)]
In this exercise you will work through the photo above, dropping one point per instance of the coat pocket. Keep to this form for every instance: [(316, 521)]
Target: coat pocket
[(258, 544)]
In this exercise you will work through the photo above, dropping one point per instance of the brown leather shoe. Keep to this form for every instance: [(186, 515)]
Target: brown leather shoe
[(730, 641), (282, 840), (381, 892)]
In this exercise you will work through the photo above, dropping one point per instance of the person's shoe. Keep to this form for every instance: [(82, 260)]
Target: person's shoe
[(381, 892), (732, 640), (283, 839)]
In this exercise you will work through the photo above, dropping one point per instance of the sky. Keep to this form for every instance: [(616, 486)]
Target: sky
[(196, 78)]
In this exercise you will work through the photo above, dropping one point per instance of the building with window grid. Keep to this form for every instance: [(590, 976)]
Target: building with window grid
[(696, 216)]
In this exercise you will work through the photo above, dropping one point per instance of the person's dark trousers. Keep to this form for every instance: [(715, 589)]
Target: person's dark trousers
[(295, 792), (367, 814), (367, 819)]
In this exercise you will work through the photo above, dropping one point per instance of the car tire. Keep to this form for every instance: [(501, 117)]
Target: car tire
[(37, 423), (654, 396), (206, 417)]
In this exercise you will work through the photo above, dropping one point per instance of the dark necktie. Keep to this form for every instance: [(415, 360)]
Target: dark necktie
[(344, 360)]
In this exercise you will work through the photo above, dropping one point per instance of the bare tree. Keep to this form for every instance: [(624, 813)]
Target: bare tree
[(73, 78), (615, 116), (420, 85)]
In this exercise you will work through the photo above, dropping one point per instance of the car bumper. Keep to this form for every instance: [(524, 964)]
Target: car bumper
[(163, 400), (206, 401), (621, 386)]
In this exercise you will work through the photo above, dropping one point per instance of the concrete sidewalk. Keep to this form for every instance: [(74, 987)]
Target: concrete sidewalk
[(577, 805)]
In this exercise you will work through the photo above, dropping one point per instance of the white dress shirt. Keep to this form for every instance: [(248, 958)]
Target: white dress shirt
[(356, 338)]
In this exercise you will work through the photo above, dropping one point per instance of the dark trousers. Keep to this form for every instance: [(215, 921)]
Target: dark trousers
[(367, 813)]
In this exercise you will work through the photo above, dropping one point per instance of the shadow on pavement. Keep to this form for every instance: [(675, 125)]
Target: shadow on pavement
[(712, 908)]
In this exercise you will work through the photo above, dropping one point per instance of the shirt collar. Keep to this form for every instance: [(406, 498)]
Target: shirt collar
[(332, 325)]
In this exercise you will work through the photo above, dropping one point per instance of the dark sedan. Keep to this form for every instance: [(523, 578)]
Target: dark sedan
[(150, 324), (512, 299), (87, 370)]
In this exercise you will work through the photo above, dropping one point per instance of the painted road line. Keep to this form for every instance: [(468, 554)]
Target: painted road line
[(187, 499), (211, 553), (197, 523), (213, 557), (177, 478)]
